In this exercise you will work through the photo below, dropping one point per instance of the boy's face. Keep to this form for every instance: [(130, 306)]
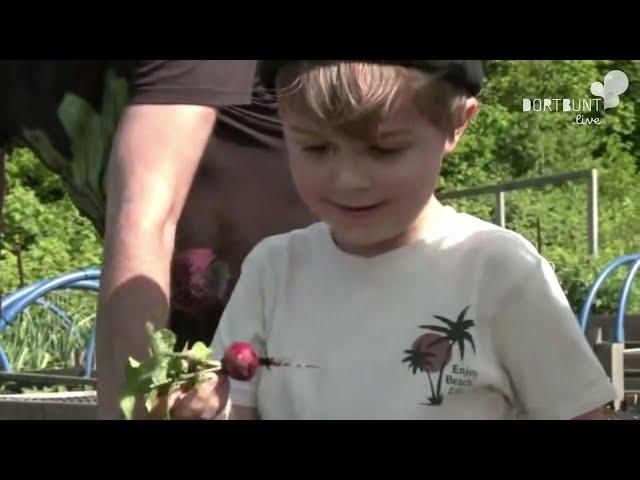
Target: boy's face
[(369, 190)]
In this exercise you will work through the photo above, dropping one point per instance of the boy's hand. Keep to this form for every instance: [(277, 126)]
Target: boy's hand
[(205, 401)]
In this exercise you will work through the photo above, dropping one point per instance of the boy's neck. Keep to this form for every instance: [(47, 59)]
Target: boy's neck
[(428, 219)]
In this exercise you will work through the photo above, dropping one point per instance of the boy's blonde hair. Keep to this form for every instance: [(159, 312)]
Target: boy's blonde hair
[(354, 96)]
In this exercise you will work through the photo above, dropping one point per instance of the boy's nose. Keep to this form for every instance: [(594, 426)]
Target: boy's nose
[(350, 175)]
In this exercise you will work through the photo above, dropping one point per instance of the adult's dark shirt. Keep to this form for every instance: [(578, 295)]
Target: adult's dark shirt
[(67, 112)]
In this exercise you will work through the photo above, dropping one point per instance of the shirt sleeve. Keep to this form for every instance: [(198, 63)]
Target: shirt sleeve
[(213, 83), (244, 321), (553, 370)]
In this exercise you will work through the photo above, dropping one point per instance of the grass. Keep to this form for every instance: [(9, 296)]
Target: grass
[(39, 339)]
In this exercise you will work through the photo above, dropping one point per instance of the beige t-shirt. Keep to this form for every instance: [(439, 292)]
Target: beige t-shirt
[(467, 323)]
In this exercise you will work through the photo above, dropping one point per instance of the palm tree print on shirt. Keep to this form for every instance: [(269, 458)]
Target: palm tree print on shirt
[(431, 352)]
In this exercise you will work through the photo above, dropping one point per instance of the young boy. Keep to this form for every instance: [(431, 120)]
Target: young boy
[(408, 309)]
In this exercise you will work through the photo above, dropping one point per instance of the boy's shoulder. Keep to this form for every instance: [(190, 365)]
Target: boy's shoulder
[(500, 249)]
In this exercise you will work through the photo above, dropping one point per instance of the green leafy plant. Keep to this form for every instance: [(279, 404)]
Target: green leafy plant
[(164, 370)]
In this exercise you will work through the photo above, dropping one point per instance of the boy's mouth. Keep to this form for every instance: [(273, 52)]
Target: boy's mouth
[(358, 209)]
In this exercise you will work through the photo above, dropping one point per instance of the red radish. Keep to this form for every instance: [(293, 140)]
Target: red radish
[(240, 361)]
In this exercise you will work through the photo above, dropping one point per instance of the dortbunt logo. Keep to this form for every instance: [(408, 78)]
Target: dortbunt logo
[(615, 84)]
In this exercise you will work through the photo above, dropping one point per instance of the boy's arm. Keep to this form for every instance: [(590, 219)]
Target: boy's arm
[(244, 320), (554, 372)]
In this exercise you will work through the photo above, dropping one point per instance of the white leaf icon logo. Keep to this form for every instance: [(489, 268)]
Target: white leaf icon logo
[(597, 89), (611, 101), (616, 83)]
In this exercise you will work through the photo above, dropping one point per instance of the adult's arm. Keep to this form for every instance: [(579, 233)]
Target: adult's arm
[(156, 152)]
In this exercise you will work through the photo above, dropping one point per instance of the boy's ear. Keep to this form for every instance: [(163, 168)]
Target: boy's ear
[(470, 109)]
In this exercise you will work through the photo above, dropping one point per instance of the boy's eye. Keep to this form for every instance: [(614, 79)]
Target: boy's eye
[(316, 149), (379, 150)]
